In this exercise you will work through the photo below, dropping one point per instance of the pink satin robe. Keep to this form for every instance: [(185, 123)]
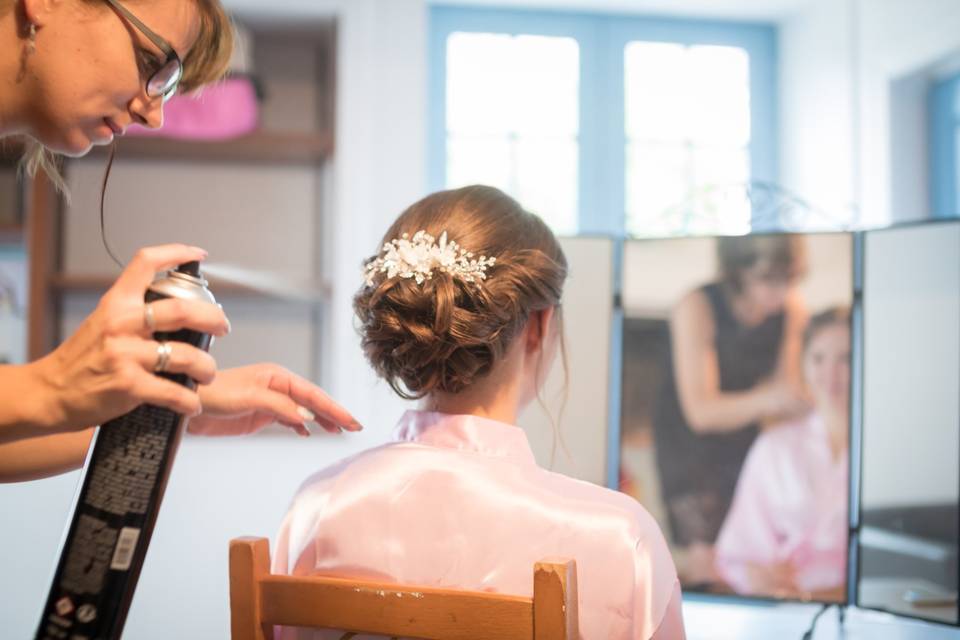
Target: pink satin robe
[(790, 506), (459, 502)]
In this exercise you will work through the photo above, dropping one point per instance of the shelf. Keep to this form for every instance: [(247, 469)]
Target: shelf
[(220, 287), (275, 147)]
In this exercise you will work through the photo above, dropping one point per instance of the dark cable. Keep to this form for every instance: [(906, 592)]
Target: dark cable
[(813, 623), (103, 197)]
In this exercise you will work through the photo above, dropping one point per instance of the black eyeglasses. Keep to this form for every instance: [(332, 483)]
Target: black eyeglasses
[(163, 82)]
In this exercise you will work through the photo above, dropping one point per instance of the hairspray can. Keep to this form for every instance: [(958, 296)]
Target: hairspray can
[(123, 483)]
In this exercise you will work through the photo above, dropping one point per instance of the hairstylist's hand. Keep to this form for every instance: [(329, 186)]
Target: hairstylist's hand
[(106, 368), (246, 399), (784, 399)]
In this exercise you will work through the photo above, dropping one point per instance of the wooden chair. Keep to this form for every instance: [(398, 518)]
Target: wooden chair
[(259, 600)]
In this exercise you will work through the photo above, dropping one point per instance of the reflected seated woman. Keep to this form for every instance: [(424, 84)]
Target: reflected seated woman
[(456, 499), (786, 533)]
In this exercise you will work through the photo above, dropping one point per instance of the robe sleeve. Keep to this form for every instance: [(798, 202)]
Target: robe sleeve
[(749, 533)]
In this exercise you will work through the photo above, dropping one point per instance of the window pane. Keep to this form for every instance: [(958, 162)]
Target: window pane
[(720, 89), (513, 119), (720, 203), (675, 189), (956, 169), (478, 67), (657, 186), (501, 84), (657, 91), (688, 131), (547, 181), (479, 160)]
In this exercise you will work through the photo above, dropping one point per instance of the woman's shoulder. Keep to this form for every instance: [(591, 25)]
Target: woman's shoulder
[(326, 477), (619, 509), (696, 308), (785, 441)]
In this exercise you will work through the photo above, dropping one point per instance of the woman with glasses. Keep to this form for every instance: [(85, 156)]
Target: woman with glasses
[(74, 74)]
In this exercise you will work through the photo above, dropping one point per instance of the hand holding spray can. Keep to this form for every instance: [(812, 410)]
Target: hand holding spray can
[(122, 487)]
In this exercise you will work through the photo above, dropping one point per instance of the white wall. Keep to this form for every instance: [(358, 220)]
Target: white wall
[(816, 106), (851, 109), (897, 38)]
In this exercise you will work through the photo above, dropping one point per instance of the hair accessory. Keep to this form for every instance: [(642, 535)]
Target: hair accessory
[(420, 256)]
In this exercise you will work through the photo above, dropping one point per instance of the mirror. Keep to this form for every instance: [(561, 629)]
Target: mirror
[(735, 398), (911, 421)]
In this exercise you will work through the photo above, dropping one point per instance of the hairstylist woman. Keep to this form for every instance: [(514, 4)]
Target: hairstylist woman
[(74, 73)]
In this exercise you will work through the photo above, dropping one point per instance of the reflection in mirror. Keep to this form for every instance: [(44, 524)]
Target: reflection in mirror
[(736, 376), (911, 421)]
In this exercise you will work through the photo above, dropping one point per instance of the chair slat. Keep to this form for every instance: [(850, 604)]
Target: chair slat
[(249, 564), (555, 606), (368, 607), (259, 600)]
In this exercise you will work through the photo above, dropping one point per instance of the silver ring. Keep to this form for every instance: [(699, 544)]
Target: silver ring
[(148, 318), (163, 356)]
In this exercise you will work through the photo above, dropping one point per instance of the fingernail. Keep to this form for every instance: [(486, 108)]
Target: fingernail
[(202, 252), (229, 329), (355, 426), (306, 414)]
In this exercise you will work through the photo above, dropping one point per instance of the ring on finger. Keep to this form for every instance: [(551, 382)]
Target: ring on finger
[(164, 349), (148, 319)]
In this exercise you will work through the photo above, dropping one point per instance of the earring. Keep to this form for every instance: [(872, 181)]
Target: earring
[(32, 38)]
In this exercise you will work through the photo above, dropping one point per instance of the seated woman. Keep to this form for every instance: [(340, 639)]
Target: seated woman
[(462, 310), (786, 533)]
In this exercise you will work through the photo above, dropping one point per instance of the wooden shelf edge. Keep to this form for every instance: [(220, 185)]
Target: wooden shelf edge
[(100, 284), (262, 146), (282, 147)]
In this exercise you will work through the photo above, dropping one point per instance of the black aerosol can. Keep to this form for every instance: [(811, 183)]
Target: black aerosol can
[(123, 483)]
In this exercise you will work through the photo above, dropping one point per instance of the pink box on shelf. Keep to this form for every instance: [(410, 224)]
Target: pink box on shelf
[(227, 109)]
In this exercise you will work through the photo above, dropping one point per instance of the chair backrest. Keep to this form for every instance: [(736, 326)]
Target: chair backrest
[(259, 600)]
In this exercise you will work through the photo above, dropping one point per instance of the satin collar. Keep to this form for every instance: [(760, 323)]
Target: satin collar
[(465, 433)]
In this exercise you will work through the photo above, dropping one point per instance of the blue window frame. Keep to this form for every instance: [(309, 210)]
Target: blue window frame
[(944, 147), (602, 141)]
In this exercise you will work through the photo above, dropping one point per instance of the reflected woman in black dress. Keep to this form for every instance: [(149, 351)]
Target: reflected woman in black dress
[(733, 365)]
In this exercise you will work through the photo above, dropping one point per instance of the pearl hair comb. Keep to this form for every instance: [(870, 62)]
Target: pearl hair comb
[(422, 255)]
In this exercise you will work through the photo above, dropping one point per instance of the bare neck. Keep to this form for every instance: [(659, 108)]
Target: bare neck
[(497, 396), (837, 423)]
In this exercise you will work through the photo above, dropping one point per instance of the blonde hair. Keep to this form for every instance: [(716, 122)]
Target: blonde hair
[(445, 334), (206, 62)]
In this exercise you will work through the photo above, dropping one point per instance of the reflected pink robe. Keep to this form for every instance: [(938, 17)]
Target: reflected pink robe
[(790, 505), (459, 502)]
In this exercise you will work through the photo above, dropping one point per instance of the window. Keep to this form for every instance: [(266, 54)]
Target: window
[(607, 124), (507, 131), (688, 138), (944, 145)]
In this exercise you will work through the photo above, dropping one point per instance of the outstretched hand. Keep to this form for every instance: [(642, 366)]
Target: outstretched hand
[(244, 400)]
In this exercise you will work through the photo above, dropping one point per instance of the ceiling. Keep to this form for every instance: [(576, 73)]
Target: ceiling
[(750, 10)]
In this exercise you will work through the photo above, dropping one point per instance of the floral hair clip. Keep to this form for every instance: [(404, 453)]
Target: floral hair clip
[(420, 256)]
